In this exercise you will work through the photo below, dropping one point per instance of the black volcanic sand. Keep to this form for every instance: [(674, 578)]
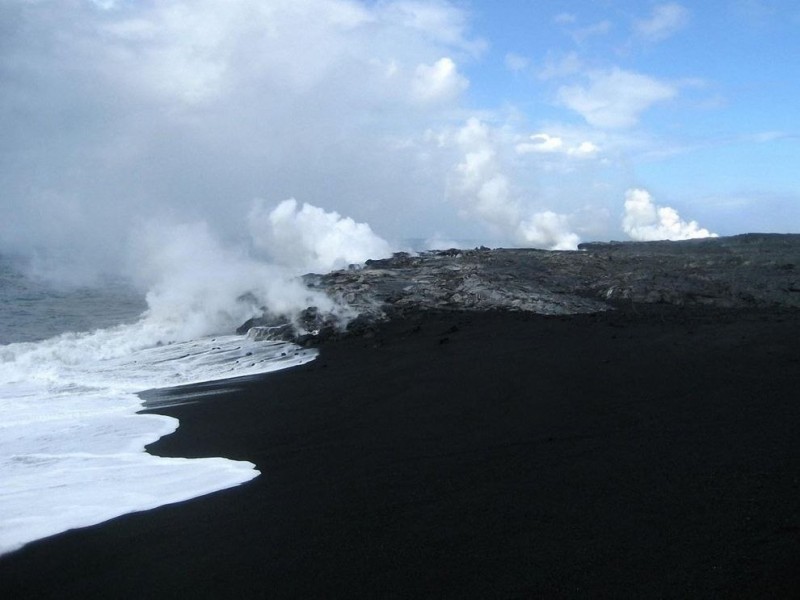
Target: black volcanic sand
[(636, 454)]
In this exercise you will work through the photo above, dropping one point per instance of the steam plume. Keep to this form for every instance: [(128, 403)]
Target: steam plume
[(483, 190), (646, 221), (200, 286), (309, 238)]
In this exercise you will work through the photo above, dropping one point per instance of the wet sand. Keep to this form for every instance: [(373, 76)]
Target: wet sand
[(647, 453)]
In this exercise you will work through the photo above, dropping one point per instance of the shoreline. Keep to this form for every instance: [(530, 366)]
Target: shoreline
[(646, 452)]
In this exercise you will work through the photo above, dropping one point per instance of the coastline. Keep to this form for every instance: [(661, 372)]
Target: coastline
[(647, 452)]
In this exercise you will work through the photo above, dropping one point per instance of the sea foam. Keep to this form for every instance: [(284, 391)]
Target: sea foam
[(72, 444)]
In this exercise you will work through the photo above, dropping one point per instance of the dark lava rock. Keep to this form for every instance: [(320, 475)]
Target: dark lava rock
[(739, 271)]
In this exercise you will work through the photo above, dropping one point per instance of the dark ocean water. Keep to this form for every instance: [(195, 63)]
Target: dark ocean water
[(32, 309)]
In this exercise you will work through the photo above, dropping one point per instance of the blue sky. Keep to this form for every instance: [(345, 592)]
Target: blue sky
[(507, 123), (729, 132)]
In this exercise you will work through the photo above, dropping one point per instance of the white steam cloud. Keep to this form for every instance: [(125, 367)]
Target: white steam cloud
[(666, 20), (438, 82), (482, 190), (309, 238), (646, 221), (616, 98), (199, 286), (116, 113)]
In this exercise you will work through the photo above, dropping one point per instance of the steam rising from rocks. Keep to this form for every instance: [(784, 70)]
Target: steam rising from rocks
[(645, 221), (310, 239), (197, 285), (189, 113), (483, 190)]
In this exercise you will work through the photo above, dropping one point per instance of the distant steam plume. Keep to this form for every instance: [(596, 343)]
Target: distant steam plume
[(482, 190), (646, 221)]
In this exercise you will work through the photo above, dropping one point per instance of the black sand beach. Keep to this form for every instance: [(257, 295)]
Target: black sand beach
[(642, 454)]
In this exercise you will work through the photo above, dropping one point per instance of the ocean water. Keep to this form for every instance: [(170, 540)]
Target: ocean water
[(72, 445)]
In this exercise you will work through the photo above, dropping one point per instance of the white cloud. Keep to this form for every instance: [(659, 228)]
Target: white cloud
[(199, 285), (439, 21), (615, 98), (480, 182), (541, 142), (193, 108), (197, 52), (548, 230), (544, 143), (584, 149), (438, 82), (309, 238), (482, 188), (645, 221), (665, 21)]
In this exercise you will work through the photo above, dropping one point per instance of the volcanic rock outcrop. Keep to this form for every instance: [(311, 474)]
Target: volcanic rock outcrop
[(740, 271)]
